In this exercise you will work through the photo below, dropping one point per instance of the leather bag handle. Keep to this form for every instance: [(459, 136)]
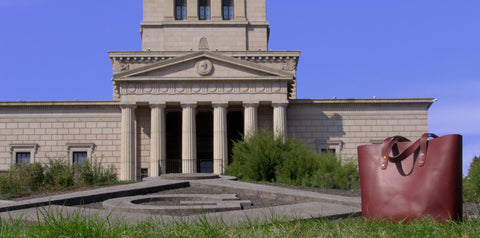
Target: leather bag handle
[(389, 142)]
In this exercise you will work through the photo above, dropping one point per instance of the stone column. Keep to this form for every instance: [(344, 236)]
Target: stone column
[(158, 160), (127, 143), (220, 146), (189, 139), (239, 6), (280, 119), (216, 9), (192, 9), (250, 122)]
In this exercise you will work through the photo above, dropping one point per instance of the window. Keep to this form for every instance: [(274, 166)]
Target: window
[(22, 157), (180, 9), (79, 156), (79, 152), (328, 151), (143, 173), (204, 9), (227, 6), (376, 142), (23, 153), (331, 147)]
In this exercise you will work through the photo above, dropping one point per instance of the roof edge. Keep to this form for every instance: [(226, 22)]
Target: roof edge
[(57, 103), (428, 101)]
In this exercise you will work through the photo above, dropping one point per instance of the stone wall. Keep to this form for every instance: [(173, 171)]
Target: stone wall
[(57, 128), (345, 124), (265, 117), (256, 10), (221, 38)]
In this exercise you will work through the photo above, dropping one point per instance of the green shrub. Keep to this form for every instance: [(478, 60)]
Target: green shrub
[(334, 174), (36, 176), (22, 177), (7, 186), (298, 164), (266, 158), (471, 184), (257, 158), (92, 173), (58, 174)]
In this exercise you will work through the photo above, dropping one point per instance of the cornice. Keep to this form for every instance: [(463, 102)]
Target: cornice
[(426, 101), (203, 23), (56, 103), (192, 79), (145, 57)]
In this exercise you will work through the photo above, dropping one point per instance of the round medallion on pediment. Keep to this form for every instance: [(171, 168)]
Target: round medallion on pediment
[(204, 67)]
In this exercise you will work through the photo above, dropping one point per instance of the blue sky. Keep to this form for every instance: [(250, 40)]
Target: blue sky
[(58, 50)]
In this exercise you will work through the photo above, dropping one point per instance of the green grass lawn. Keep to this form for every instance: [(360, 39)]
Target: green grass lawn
[(78, 226)]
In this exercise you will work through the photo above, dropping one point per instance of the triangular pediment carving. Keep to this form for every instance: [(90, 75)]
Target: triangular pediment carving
[(203, 65)]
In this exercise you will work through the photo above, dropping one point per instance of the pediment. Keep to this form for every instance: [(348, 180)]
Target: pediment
[(203, 65)]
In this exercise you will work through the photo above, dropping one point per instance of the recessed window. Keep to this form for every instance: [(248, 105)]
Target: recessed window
[(79, 156), (329, 147), (22, 157), (328, 151), (227, 6), (180, 9), (143, 173), (23, 153), (204, 9), (79, 152)]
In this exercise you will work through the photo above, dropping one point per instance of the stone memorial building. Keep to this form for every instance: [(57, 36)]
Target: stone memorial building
[(205, 76)]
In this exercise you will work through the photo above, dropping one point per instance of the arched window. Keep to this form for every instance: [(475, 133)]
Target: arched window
[(227, 6), (180, 9), (203, 9)]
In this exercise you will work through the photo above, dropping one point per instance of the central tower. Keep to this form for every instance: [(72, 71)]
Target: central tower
[(227, 25)]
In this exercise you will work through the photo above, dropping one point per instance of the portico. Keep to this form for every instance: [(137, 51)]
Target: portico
[(189, 97), (192, 160)]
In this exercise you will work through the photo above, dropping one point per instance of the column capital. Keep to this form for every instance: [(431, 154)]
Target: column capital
[(220, 104), (251, 103), (280, 104), (125, 106), (158, 105), (188, 104)]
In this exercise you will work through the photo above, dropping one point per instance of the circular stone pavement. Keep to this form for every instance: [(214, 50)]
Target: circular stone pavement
[(177, 204)]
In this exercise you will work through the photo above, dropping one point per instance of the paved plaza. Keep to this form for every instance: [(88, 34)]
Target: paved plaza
[(294, 204)]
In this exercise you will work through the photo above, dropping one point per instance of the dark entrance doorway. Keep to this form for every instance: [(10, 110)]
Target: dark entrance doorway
[(235, 130), (174, 142), (204, 141)]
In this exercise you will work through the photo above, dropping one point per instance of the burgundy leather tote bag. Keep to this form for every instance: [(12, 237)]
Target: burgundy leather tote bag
[(403, 180)]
